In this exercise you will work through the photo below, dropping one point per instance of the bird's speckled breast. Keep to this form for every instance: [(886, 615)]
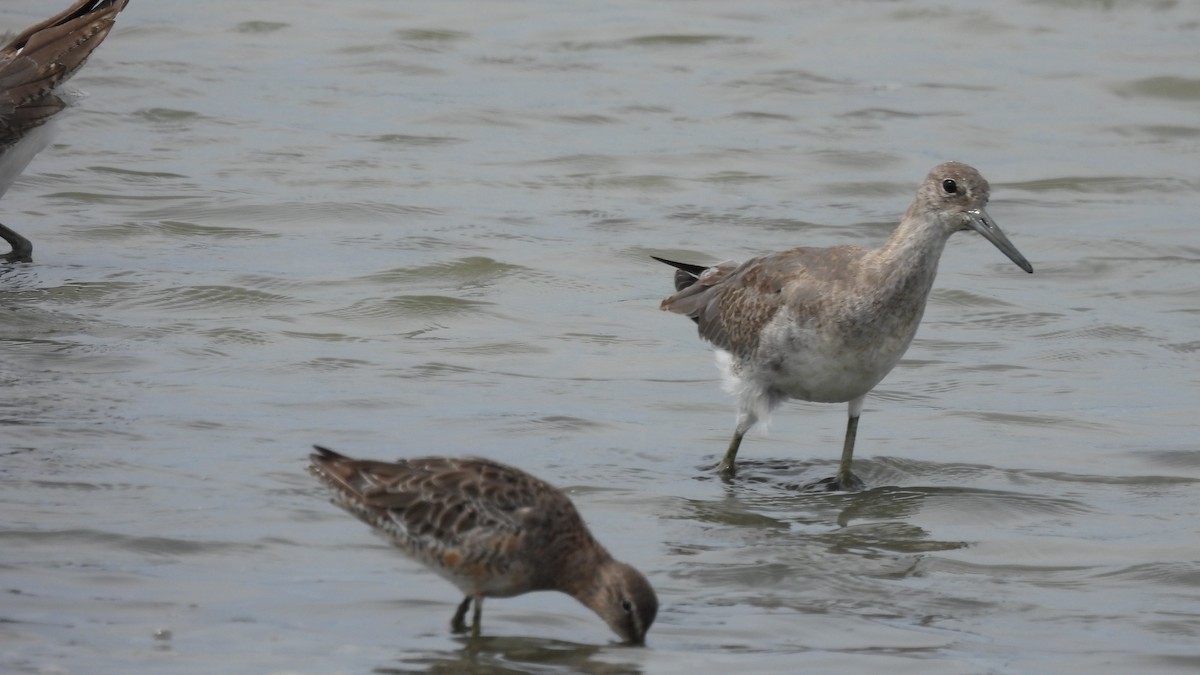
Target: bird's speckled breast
[(835, 357)]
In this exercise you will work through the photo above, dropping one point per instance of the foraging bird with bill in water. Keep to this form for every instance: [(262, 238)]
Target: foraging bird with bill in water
[(828, 324), (492, 530)]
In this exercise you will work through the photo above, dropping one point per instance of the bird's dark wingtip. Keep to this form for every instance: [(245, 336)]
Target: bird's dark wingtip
[(694, 270), (325, 454)]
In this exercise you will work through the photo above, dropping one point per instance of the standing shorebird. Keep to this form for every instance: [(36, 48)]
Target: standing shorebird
[(492, 530), (827, 324), (32, 66)]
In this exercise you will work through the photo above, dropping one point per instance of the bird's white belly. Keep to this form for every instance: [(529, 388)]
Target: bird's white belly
[(820, 366)]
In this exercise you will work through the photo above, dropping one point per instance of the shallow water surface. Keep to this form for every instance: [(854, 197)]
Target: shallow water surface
[(425, 227)]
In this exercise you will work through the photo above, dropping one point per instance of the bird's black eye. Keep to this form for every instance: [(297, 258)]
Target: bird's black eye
[(627, 606), (950, 186)]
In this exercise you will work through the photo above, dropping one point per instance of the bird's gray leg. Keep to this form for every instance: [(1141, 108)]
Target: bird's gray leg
[(727, 468), (22, 250), (846, 480), (477, 617)]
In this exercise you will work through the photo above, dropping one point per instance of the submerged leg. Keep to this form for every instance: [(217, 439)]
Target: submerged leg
[(457, 624), (22, 250)]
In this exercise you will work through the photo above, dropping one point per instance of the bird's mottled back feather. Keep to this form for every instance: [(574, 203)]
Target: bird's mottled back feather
[(450, 499), (466, 518), (731, 302)]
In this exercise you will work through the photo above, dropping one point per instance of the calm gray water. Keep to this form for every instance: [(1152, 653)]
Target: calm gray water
[(424, 227)]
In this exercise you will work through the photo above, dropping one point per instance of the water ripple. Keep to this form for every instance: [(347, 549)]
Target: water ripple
[(1162, 86), (152, 546), (209, 297), (407, 307), (175, 228), (1107, 185), (475, 271)]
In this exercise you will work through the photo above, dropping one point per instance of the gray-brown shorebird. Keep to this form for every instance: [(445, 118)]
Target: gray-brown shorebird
[(492, 530), (32, 66), (827, 324)]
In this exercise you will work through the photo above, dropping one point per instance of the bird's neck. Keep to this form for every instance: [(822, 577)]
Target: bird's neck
[(904, 268), (584, 575)]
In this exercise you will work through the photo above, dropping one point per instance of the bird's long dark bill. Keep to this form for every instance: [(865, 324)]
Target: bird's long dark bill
[(982, 223)]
